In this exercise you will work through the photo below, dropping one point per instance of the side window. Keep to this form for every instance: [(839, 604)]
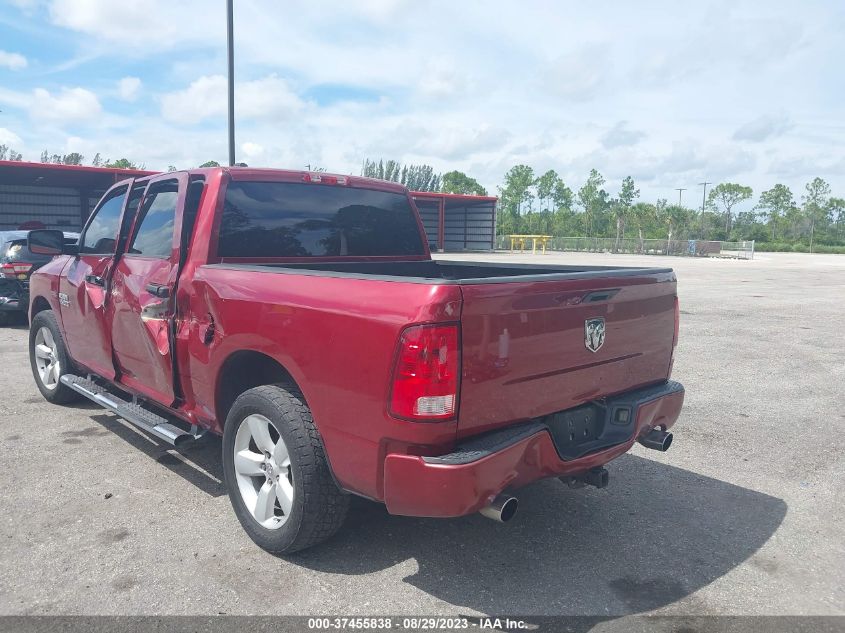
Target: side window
[(100, 236), (156, 219)]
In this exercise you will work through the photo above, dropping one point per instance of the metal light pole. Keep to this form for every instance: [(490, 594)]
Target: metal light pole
[(230, 53), (680, 191)]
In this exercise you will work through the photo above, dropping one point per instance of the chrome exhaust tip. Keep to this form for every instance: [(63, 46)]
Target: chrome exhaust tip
[(656, 440), (502, 509)]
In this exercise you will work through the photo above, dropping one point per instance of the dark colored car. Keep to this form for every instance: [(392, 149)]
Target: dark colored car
[(301, 316), (17, 263)]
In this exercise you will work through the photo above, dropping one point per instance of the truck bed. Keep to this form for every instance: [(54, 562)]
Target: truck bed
[(447, 272), (523, 327)]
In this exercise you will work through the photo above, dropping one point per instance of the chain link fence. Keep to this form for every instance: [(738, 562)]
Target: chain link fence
[(633, 246)]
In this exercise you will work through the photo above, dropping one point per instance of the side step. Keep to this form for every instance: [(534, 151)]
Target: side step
[(144, 419)]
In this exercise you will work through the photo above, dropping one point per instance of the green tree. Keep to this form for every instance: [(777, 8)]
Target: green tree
[(74, 158), (415, 177), (7, 153), (562, 197), (673, 217), (622, 207), (728, 195), (815, 201), (516, 194), (459, 182), (546, 185), (775, 204), (210, 163), (593, 199), (643, 214), (97, 161), (121, 163), (836, 211)]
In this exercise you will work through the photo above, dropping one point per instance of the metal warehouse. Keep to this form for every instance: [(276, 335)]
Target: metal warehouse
[(44, 195)]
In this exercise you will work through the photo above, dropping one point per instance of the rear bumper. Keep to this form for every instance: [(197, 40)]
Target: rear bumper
[(466, 480)]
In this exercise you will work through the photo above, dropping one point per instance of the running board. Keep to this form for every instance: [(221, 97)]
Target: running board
[(144, 419)]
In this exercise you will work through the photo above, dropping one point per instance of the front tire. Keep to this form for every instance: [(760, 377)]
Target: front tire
[(49, 359), (276, 472)]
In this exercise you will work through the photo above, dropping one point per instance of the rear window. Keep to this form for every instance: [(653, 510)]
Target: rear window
[(271, 219), (17, 251)]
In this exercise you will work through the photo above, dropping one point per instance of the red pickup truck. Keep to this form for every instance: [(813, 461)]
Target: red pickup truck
[(301, 316)]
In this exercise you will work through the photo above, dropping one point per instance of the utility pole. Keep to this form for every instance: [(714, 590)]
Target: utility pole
[(230, 54), (680, 191), (703, 194), (703, 199)]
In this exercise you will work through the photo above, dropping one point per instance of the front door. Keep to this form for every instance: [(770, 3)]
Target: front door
[(83, 288), (143, 284)]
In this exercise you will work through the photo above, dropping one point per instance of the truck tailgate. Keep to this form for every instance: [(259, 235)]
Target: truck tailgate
[(525, 352)]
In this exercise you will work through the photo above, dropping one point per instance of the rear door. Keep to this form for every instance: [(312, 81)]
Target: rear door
[(535, 348), (83, 292), (143, 283)]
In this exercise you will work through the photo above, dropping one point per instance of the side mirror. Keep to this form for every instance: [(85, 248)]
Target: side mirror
[(49, 242)]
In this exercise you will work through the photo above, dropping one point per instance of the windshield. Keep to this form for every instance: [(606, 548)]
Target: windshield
[(272, 219)]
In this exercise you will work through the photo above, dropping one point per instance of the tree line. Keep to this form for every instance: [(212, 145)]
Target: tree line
[(73, 158), (531, 204), (544, 205)]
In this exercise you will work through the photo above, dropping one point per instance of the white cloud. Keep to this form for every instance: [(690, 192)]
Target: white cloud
[(269, 99), (251, 153), (453, 142), (621, 135), (654, 91), (7, 137), (150, 24), (12, 61), (69, 106), (763, 128), (580, 74), (128, 88)]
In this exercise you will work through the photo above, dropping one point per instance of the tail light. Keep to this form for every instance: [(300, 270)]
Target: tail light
[(324, 179), (15, 270), (677, 322), (675, 336), (426, 376)]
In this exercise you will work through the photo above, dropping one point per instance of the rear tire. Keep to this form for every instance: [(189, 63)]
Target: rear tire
[(49, 359), (276, 473)]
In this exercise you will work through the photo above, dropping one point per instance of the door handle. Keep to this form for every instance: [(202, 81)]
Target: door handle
[(158, 290), (95, 280)]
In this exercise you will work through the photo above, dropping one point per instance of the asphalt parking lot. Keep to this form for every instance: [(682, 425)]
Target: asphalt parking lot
[(744, 515)]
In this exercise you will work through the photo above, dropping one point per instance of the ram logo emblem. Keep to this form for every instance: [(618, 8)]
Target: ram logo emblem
[(594, 333)]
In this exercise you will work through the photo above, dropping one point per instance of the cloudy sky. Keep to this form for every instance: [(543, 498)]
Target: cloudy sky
[(670, 93)]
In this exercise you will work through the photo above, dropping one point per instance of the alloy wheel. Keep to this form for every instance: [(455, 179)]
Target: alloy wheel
[(47, 358), (263, 471)]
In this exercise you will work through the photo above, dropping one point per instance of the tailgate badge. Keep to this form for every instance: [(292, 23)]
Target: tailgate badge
[(594, 333)]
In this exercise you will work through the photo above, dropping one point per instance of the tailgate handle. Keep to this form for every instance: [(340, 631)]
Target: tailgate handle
[(599, 295), (158, 290)]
